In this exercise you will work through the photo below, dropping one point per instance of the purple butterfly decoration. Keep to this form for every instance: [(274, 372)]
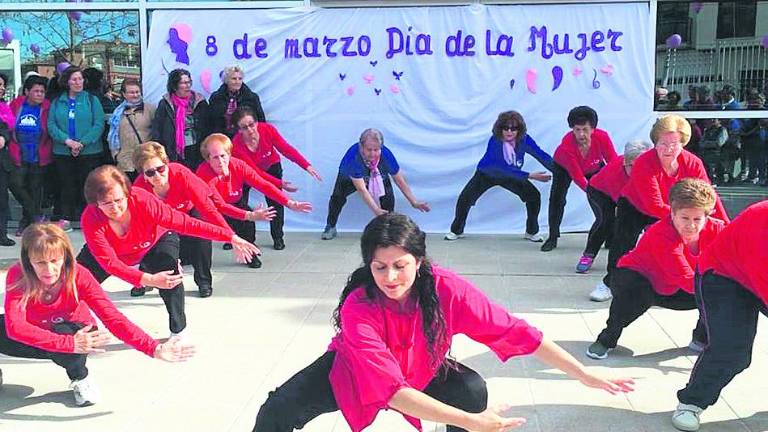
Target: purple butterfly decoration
[(342, 76), (397, 74), (374, 63), (378, 91), (178, 46)]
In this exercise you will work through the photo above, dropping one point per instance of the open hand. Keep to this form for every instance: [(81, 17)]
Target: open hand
[(262, 213), (243, 249), (289, 187), (299, 206), (313, 172), (174, 350), (611, 385), (87, 341), (421, 205), (166, 279), (490, 421), (541, 176)]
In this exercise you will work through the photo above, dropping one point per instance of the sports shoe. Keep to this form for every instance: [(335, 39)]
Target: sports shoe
[(597, 351), (85, 391), (585, 263), (601, 293), (697, 346), (686, 417), (328, 233), (255, 262), (65, 225), (550, 244), (536, 238), (227, 246), (451, 236), (279, 244), (138, 291)]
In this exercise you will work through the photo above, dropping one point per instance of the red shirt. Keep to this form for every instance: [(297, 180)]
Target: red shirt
[(240, 174), (150, 219), (381, 346), (568, 156), (33, 325), (663, 258), (187, 191), (266, 154), (611, 179), (648, 186), (739, 252)]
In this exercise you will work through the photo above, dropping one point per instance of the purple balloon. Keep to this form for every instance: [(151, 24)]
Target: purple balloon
[(75, 15), (35, 48), (7, 35), (674, 41), (764, 41), (61, 67), (697, 6)]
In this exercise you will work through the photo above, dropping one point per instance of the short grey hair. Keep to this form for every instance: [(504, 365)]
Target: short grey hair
[(371, 133), (229, 70), (635, 148)]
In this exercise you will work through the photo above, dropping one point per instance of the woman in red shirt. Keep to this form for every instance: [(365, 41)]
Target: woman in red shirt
[(660, 270), (48, 303), (645, 198), (125, 226), (395, 321), (230, 176), (581, 154), (181, 189), (732, 290), (260, 145)]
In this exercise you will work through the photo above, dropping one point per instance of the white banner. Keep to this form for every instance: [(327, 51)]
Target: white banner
[(433, 79)]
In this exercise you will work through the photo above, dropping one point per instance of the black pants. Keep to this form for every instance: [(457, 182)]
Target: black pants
[(72, 172), (630, 222), (730, 315), (244, 229), (308, 394), (198, 252), (561, 181), (276, 224), (755, 153), (163, 256), (4, 207), (192, 157), (344, 188), (73, 363), (633, 295), (714, 164), (480, 183), (26, 183), (601, 232)]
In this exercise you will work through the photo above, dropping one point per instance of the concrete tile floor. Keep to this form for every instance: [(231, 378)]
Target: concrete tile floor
[(262, 326)]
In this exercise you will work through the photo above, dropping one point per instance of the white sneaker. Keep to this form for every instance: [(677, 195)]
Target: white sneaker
[(686, 417), (451, 236), (536, 238), (601, 293), (85, 391)]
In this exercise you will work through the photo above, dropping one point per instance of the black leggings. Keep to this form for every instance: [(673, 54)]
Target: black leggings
[(163, 256), (73, 363), (633, 295), (344, 188), (561, 181), (308, 394), (605, 215), (276, 224), (480, 183), (630, 222), (72, 172), (730, 314), (26, 183), (198, 252)]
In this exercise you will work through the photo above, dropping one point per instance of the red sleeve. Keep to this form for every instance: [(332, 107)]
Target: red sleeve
[(646, 190), (98, 245), (700, 172), (226, 208), (284, 148), (253, 179), (91, 292), (608, 150), (274, 181), (19, 329), (181, 223), (571, 164), (672, 266), (474, 315), (201, 195)]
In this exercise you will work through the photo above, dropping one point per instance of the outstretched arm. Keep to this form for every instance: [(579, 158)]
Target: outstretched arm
[(366, 196), (399, 179)]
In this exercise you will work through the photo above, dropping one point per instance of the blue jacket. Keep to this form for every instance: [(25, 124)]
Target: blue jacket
[(89, 123), (494, 165)]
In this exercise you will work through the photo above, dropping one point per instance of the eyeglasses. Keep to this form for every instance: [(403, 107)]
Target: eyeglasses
[(115, 202), (249, 126), (158, 170), (512, 128)]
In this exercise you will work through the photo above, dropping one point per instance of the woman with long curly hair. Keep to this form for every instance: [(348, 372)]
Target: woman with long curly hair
[(395, 320)]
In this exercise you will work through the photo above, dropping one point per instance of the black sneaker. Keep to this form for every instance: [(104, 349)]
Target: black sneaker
[(5, 241), (550, 244), (227, 246), (205, 291), (279, 244), (255, 262), (138, 291), (597, 351)]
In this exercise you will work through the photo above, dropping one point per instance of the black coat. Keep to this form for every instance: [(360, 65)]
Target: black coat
[(164, 128), (5, 158), (219, 101)]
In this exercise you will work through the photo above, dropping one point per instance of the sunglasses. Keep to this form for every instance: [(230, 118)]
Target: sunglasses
[(152, 171), (510, 128)]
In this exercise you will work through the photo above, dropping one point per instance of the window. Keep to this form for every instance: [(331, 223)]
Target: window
[(736, 19), (673, 18)]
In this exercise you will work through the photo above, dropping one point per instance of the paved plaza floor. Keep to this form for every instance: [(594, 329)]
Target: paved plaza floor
[(261, 326)]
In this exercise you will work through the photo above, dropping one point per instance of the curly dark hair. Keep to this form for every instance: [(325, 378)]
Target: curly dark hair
[(174, 78), (581, 115), (510, 118), (241, 112), (393, 229), (67, 74)]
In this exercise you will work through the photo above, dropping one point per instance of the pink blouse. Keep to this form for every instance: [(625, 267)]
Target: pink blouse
[(381, 347)]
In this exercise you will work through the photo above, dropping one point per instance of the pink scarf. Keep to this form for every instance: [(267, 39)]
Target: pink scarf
[(375, 182), (509, 153), (180, 106)]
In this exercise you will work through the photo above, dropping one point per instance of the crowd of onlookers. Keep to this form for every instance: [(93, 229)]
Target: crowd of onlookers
[(60, 129), (721, 143)]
